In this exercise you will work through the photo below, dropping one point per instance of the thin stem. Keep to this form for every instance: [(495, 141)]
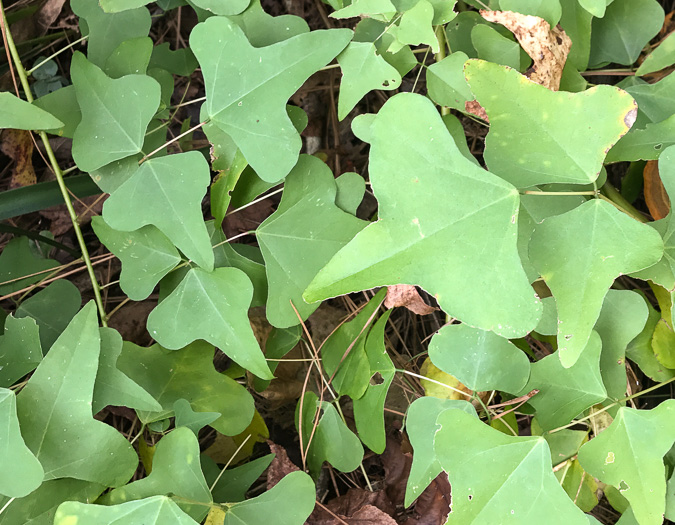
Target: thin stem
[(558, 193), (172, 141), (440, 35), (57, 171), (213, 485), (609, 72), (612, 195), (200, 99), (6, 505), (40, 64)]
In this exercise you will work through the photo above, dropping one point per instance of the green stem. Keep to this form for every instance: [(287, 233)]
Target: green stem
[(440, 35), (559, 193), (56, 169), (612, 195)]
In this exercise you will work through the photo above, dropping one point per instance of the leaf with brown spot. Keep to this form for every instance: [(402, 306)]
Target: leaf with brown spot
[(408, 296), (18, 145), (547, 47), (655, 194), (473, 107)]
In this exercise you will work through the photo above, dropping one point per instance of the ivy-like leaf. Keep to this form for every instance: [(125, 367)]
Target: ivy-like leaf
[(175, 470), (177, 184), (147, 255), (415, 28), (54, 411), (115, 114), (247, 88), (301, 237), (187, 374), (156, 510), (569, 248), (434, 204), (535, 136), (20, 351), (22, 472), (521, 484), (19, 114), (211, 306), (629, 456), (480, 360)]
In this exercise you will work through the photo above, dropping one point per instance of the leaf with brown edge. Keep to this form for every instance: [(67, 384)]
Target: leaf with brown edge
[(548, 47), (656, 197), (407, 295)]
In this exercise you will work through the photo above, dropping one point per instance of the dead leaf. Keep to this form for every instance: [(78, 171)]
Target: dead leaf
[(281, 465), (17, 144), (349, 506), (48, 14), (433, 505), (408, 296), (548, 47), (370, 515), (656, 197), (396, 465), (473, 107)]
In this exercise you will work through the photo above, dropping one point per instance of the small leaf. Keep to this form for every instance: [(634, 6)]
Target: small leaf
[(382, 10), (641, 351), (18, 259), (22, 473), (481, 360), (492, 46), (195, 421), (262, 30), (644, 144), (595, 7), (20, 351), (19, 114), (218, 7), (415, 28), (233, 484), (579, 485), (131, 57), (567, 248), (157, 510), (446, 83), (660, 58), (629, 456), (211, 306), (350, 191)]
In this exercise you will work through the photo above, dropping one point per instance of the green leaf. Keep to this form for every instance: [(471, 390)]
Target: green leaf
[(535, 134), (662, 57), (549, 10), (350, 191), (576, 22), (415, 28), (629, 456), (115, 114), (589, 246), (176, 185), (22, 472), (20, 351), (622, 318), (595, 7), (54, 411), (626, 28), (218, 7), (53, 308), (195, 421), (421, 427), (521, 483), (343, 354), (147, 255), (369, 408), (263, 30), (112, 386), (363, 70), (179, 62), (18, 259), (39, 507), (116, 6), (491, 45), (131, 57), (175, 471), (580, 487), (432, 200), (62, 104), (19, 114), (566, 392), (250, 104), (156, 510), (106, 31), (232, 485), (446, 83), (382, 10), (290, 501), (644, 144), (211, 306), (655, 101), (301, 237), (641, 351), (187, 374), (480, 360)]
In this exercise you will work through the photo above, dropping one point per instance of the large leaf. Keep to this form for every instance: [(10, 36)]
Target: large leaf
[(549, 10), (21, 473), (167, 192), (536, 135), (175, 470), (629, 456), (520, 484), (480, 360), (187, 374), (20, 351), (589, 246), (436, 205), (299, 238), (211, 306), (55, 414), (19, 114), (115, 114), (247, 88), (157, 510)]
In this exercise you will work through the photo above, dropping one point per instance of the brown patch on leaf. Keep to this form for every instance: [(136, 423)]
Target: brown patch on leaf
[(17, 144), (281, 465), (548, 47), (656, 196), (473, 107), (407, 295)]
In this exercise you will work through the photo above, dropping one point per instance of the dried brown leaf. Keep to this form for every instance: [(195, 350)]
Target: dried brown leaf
[(17, 144), (548, 47), (396, 465), (656, 197), (407, 295), (433, 505), (281, 465)]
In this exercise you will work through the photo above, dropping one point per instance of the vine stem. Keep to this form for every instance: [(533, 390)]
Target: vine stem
[(55, 168), (612, 195), (442, 53), (559, 193)]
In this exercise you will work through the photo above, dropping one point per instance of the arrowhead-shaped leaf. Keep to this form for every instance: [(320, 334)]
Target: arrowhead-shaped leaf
[(195, 421), (247, 88), (157, 510), (629, 456), (55, 411), (19, 114), (537, 136), (436, 205), (589, 246)]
